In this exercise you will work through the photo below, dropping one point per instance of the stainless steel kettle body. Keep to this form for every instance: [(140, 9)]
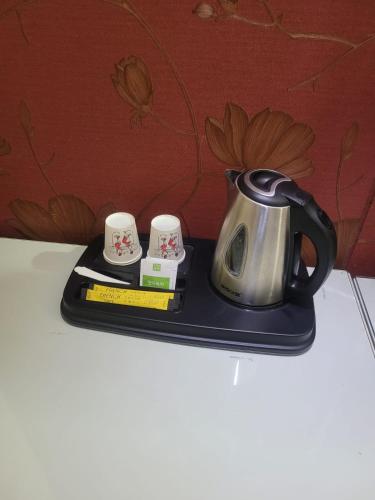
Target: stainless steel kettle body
[(257, 256), (250, 255)]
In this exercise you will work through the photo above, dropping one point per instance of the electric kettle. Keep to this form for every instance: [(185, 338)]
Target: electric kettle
[(257, 258)]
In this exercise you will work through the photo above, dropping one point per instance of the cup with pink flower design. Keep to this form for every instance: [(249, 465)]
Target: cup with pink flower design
[(121, 242), (166, 238)]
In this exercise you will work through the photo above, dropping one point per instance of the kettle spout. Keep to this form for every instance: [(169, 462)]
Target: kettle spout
[(231, 176)]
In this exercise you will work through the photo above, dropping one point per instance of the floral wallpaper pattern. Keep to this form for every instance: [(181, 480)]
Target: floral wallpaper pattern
[(139, 106), (230, 10)]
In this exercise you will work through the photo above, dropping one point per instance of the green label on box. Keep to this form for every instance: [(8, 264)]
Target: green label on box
[(156, 267), (155, 281)]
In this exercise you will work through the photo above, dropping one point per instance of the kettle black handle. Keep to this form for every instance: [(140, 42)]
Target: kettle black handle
[(307, 218)]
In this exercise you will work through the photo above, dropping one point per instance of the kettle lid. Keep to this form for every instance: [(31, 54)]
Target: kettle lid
[(263, 186)]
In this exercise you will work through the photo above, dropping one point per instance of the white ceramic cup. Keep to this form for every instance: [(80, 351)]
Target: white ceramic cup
[(166, 238), (121, 242)]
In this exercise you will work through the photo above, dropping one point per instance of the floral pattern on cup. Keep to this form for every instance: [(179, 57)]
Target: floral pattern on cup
[(169, 245), (166, 240), (123, 243)]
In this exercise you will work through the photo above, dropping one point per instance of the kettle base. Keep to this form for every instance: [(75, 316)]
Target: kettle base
[(202, 317)]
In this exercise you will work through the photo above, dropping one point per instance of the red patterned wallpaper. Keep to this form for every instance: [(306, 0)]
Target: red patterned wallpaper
[(140, 106)]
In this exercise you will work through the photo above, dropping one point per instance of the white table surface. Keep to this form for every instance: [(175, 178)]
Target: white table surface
[(367, 288), (98, 416)]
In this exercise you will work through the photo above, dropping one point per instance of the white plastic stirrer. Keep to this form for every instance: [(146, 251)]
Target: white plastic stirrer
[(89, 273)]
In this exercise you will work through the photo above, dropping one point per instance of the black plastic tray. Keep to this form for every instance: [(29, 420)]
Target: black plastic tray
[(205, 318)]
